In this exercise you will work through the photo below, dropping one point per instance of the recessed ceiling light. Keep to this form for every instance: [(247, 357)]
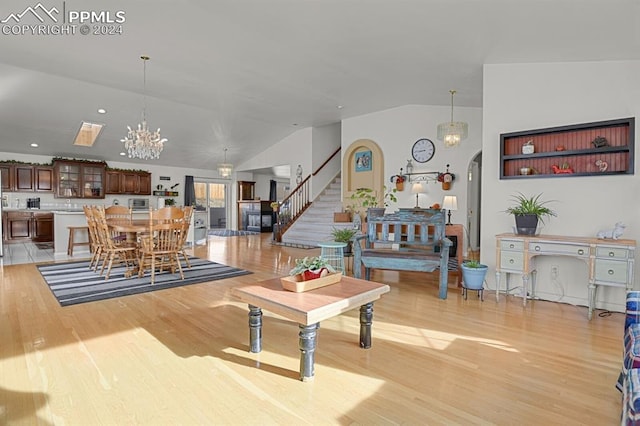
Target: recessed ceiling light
[(102, 111), (340, 107), (123, 153), (34, 145)]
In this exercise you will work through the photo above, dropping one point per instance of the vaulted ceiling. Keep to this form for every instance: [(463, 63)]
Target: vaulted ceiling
[(244, 74)]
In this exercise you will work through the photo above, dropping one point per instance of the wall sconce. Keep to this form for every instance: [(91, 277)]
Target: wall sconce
[(450, 202)]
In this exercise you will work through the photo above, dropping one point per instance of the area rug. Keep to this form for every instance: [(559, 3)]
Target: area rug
[(73, 282), (230, 233)]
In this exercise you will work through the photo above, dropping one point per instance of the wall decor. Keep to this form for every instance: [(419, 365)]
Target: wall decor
[(588, 149), (363, 161)]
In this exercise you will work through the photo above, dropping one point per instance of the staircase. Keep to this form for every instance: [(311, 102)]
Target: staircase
[(316, 223)]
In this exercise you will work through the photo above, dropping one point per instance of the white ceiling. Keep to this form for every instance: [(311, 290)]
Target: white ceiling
[(244, 74)]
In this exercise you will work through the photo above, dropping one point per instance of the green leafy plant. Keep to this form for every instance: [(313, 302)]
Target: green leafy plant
[(169, 202), (472, 264), (343, 235), (314, 264), (365, 198), (524, 205)]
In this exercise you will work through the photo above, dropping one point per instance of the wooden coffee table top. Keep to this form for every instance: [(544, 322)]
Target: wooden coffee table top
[(312, 306)]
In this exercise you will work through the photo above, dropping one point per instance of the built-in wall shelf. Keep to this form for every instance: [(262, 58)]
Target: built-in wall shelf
[(590, 149), (166, 193)]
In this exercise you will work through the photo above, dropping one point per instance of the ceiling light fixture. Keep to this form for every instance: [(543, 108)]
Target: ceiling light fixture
[(34, 145), (102, 111), (453, 132), (225, 168), (142, 143)]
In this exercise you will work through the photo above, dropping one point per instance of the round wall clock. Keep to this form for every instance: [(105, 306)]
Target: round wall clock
[(423, 150)]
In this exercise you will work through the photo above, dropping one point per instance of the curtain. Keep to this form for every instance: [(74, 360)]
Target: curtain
[(189, 191), (273, 190)]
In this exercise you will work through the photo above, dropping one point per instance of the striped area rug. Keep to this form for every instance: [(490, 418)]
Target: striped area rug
[(72, 283)]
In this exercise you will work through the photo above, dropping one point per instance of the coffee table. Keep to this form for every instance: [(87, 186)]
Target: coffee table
[(308, 309)]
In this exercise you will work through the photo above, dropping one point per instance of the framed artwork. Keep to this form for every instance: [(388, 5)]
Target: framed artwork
[(363, 161)]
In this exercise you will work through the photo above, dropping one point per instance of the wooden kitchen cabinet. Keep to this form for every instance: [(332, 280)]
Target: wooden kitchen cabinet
[(23, 225), (18, 226), (17, 177), (128, 182), (79, 179), (43, 176), (42, 227)]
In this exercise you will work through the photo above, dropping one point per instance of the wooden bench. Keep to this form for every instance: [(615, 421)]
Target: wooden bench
[(404, 241)]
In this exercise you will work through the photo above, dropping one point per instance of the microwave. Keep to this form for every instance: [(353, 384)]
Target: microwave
[(139, 203)]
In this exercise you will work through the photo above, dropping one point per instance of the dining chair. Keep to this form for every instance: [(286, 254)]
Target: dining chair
[(121, 251), (167, 214), (160, 248), (186, 222), (95, 243)]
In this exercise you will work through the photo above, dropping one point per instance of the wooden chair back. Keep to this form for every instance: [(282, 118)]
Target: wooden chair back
[(118, 213), (167, 214)]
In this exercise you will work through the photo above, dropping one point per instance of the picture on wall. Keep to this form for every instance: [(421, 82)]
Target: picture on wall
[(363, 161)]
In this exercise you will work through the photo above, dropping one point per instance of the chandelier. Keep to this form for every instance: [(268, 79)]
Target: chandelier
[(453, 132), (141, 142), (225, 169)]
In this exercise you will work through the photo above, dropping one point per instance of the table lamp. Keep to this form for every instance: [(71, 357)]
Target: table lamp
[(418, 188), (450, 203)]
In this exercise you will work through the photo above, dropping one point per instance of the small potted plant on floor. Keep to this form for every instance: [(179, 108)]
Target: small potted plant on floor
[(311, 268), (528, 211), (473, 274), (343, 235)]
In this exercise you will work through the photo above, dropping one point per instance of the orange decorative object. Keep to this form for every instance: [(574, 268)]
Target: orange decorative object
[(560, 148), (561, 170), (436, 206)]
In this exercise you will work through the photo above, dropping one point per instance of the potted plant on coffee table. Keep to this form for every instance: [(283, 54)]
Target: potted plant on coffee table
[(528, 211), (310, 268)]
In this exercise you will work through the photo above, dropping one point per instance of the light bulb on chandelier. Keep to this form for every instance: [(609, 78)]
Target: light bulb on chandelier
[(141, 142)]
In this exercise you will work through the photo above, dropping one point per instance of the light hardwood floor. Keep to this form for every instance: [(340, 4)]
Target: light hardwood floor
[(180, 356)]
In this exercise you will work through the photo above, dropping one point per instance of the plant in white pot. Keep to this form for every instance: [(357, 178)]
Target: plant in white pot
[(527, 211)]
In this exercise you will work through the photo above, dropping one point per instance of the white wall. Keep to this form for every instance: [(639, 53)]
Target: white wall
[(293, 150), (533, 96), (395, 131)]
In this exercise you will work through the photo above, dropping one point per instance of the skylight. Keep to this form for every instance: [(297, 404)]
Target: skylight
[(88, 133)]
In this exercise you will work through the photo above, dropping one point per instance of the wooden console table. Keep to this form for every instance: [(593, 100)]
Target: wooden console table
[(609, 262)]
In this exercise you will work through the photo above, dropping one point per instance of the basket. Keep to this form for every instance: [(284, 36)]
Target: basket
[(291, 283)]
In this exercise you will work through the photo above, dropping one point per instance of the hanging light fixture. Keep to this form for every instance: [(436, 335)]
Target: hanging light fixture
[(225, 168), (453, 132), (142, 143)]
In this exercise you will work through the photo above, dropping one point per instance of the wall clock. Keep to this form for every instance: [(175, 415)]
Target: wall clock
[(423, 150)]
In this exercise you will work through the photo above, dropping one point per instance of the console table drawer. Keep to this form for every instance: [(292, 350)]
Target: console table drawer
[(512, 260), (555, 248), (512, 245), (612, 252), (612, 271)]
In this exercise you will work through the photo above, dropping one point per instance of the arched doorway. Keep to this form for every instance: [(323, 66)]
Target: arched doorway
[(474, 195)]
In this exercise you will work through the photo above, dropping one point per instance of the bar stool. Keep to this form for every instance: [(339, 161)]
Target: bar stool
[(333, 252), (72, 242)]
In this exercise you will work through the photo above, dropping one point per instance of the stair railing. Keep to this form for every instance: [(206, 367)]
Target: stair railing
[(292, 207)]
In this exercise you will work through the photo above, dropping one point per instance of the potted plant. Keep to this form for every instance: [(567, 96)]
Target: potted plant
[(399, 181), (311, 268), (528, 211), (364, 197), (343, 235), (473, 274)]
